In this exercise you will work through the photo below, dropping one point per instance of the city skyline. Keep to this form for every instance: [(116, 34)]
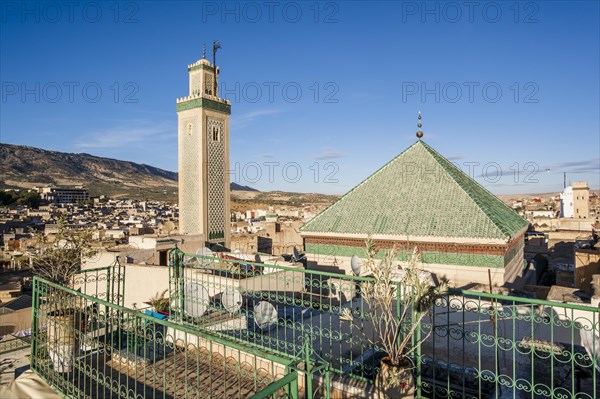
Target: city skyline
[(509, 88)]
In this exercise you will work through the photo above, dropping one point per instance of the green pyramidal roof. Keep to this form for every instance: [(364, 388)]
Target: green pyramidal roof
[(419, 193)]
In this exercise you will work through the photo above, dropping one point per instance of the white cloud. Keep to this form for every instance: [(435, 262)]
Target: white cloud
[(329, 153), (246, 119), (131, 133)]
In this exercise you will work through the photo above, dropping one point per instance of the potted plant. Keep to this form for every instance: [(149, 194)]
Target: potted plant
[(395, 326), (160, 304), (57, 258)]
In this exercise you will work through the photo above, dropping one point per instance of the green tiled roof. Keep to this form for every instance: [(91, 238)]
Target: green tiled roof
[(419, 193)]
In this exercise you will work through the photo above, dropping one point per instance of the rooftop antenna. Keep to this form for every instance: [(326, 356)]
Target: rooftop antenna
[(419, 125), (564, 180), (216, 46)]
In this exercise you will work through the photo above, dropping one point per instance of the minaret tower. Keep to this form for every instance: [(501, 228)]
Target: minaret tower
[(203, 148)]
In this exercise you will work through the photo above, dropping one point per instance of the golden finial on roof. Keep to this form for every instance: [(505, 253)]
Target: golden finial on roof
[(419, 125), (204, 52)]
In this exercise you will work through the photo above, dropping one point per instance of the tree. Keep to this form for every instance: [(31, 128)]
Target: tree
[(57, 258), (30, 199)]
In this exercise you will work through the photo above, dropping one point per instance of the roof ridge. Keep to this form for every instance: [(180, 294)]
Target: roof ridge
[(457, 171)]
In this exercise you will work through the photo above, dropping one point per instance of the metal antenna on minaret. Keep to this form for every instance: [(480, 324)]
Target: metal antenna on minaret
[(419, 125), (216, 46)]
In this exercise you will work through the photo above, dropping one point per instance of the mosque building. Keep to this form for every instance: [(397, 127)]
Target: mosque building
[(420, 199)]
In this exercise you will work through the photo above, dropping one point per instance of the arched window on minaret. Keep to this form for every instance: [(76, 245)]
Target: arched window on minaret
[(215, 134), (208, 84)]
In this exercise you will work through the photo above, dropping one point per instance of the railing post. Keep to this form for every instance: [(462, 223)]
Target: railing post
[(180, 281), (34, 322), (307, 366), (327, 383), (419, 342), (121, 284), (176, 280), (294, 388), (108, 290)]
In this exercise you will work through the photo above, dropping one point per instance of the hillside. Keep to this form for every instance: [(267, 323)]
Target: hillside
[(25, 167)]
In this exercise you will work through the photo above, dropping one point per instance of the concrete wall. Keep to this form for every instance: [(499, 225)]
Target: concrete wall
[(458, 275), (587, 263), (141, 281), (15, 321)]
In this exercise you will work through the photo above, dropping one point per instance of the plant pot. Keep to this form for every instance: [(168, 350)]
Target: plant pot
[(158, 315), (61, 339), (394, 381)]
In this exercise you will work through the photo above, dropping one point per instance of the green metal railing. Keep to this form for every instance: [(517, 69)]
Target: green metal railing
[(289, 383), (324, 308), (245, 329), (10, 344), (475, 345), (487, 345), (106, 283), (86, 347)]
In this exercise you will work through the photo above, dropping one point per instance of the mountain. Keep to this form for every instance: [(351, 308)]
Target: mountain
[(25, 167)]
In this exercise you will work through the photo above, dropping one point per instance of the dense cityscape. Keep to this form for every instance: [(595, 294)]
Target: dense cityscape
[(383, 265)]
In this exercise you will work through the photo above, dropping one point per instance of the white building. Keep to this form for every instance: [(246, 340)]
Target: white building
[(63, 195), (566, 203), (542, 214), (574, 201)]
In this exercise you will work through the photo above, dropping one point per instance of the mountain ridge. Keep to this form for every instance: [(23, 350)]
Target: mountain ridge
[(27, 166)]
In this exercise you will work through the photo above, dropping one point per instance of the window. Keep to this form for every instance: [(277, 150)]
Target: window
[(163, 258), (208, 84), (215, 133)]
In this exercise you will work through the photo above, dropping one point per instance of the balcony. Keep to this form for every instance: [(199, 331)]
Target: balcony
[(240, 329)]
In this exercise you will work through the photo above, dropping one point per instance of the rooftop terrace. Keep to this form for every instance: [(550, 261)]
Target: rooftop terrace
[(262, 330)]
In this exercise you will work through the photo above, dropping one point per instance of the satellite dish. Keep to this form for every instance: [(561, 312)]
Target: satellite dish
[(205, 252), (195, 299), (231, 300), (356, 265), (265, 315), (169, 226)]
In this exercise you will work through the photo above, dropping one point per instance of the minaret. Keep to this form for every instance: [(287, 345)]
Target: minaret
[(203, 148)]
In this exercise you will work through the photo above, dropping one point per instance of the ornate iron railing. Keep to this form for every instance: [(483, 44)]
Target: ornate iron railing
[(275, 308), (106, 283), (474, 345), (486, 345), (243, 329), (9, 343), (86, 347)]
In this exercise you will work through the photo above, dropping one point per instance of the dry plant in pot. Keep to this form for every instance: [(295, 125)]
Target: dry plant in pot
[(413, 290), (57, 259)]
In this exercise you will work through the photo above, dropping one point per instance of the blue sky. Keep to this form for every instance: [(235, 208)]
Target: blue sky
[(323, 94)]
